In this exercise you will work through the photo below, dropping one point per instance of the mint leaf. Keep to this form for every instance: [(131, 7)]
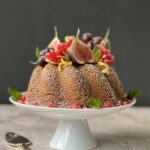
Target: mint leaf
[(94, 103), (37, 52), (97, 53), (133, 93), (14, 93)]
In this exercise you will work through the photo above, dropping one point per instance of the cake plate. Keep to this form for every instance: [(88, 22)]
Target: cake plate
[(72, 132)]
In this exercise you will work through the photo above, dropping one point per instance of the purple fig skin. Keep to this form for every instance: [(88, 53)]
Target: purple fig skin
[(80, 53)]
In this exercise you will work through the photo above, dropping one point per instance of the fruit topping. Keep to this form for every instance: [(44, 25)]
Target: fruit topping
[(54, 56), (90, 44), (106, 57), (64, 63), (55, 41), (97, 40), (105, 68), (40, 55), (68, 40), (106, 42), (87, 37), (79, 52), (88, 50)]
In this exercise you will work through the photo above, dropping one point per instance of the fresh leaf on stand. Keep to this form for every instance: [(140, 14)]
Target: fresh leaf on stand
[(14, 93), (133, 93), (94, 103)]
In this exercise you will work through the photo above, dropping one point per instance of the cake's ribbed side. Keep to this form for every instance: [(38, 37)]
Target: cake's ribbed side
[(32, 94), (75, 88), (98, 84), (115, 83), (49, 86)]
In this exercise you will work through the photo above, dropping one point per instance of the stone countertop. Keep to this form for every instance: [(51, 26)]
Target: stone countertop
[(125, 130)]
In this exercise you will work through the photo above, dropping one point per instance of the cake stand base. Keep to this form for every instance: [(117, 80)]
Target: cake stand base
[(73, 132), (73, 135)]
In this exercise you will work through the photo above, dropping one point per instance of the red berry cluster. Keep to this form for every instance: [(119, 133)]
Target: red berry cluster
[(62, 48), (22, 99), (106, 57)]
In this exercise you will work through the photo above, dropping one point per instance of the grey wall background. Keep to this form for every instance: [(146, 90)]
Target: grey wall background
[(27, 24)]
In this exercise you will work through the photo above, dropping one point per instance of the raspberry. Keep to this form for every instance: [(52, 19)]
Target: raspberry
[(51, 106)]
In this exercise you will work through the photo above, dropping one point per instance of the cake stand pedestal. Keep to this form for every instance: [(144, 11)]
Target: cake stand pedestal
[(72, 132)]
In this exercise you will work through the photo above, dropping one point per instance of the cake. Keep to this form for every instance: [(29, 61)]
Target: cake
[(73, 72)]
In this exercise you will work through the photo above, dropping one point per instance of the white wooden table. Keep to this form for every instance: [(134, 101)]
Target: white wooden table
[(126, 130)]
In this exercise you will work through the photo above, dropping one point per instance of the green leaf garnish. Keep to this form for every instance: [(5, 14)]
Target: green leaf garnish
[(97, 53), (14, 93), (133, 93), (37, 52), (94, 103)]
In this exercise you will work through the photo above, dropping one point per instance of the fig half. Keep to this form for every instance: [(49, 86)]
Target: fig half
[(79, 52), (55, 41)]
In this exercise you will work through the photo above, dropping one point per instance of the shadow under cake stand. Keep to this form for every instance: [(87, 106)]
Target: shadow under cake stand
[(72, 132)]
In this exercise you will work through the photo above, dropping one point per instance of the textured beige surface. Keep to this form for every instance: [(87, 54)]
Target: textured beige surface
[(126, 130)]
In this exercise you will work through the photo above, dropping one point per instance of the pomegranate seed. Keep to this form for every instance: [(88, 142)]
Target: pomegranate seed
[(22, 98), (107, 105), (119, 103), (51, 106), (75, 106)]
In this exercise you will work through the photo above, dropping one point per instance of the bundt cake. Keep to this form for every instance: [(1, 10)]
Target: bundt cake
[(73, 72)]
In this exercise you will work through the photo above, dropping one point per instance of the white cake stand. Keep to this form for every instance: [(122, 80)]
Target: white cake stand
[(72, 132)]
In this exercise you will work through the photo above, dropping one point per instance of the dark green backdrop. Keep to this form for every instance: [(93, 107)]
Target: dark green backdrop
[(25, 24)]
